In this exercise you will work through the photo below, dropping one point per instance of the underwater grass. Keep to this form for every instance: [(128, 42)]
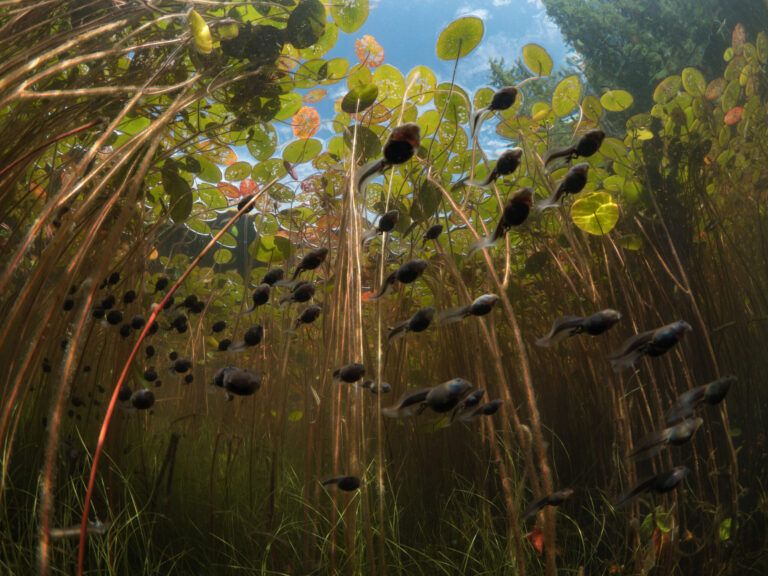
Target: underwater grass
[(233, 488)]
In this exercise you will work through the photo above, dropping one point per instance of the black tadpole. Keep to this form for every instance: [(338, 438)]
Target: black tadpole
[(585, 147), (419, 322), (344, 483), (313, 259), (406, 274), (574, 182), (349, 373), (302, 292), (502, 99), (398, 149)]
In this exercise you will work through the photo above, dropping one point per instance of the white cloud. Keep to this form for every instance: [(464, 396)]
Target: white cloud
[(481, 13), (498, 3)]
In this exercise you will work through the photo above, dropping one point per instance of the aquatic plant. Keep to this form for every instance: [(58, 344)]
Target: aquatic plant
[(139, 154)]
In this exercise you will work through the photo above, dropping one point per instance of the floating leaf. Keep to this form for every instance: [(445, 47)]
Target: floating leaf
[(616, 100), (300, 151), (222, 256), (306, 24), (306, 122), (595, 213), (228, 190), (537, 60), (391, 85), (314, 96), (426, 201), (693, 82), (237, 171), (566, 96), (369, 52), (248, 186), (359, 98), (295, 416), (201, 34), (715, 89), (211, 197), (724, 531), (667, 89), (460, 37), (349, 15), (631, 242), (733, 116), (421, 82), (592, 108), (179, 191)]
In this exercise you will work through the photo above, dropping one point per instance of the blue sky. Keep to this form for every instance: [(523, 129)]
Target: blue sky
[(408, 31)]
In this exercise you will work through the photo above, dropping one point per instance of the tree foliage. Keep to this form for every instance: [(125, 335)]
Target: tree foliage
[(636, 43)]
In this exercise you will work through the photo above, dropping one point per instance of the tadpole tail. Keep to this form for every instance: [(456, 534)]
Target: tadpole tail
[(453, 315), (477, 121), (369, 235), (562, 153), (480, 244), (369, 171)]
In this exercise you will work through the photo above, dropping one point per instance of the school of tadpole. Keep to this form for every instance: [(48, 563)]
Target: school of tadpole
[(473, 388)]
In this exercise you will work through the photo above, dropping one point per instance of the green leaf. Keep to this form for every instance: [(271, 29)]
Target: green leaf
[(134, 125), (421, 82), (265, 249), (595, 213), (228, 240), (592, 108), (349, 15), (616, 100), (201, 34), (237, 171), (426, 201), (180, 194), (222, 256), (631, 242), (306, 24), (262, 142), (360, 98), (460, 37), (208, 170), (269, 169), (667, 89), (391, 85), (537, 60), (300, 151), (295, 416), (198, 227), (289, 105), (724, 531), (693, 82), (566, 96), (211, 197)]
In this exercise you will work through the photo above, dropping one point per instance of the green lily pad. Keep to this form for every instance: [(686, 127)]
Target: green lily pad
[(360, 98), (300, 151), (421, 82), (667, 89), (616, 100), (306, 24), (537, 60), (460, 37), (566, 96), (237, 171), (262, 141), (222, 256), (592, 108), (693, 82), (595, 213), (724, 531), (349, 15)]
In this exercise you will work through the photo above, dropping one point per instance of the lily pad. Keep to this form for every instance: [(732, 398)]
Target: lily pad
[(460, 37), (595, 213), (537, 60), (349, 15), (566, 95), (693, 82), (300, 151), (306, 24), (359, 98), (616, 100)]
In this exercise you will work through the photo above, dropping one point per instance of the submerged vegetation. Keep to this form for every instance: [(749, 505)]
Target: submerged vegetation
[(225, 353)]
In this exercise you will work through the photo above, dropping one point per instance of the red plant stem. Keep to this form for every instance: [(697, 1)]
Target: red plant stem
[(124, 374)]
